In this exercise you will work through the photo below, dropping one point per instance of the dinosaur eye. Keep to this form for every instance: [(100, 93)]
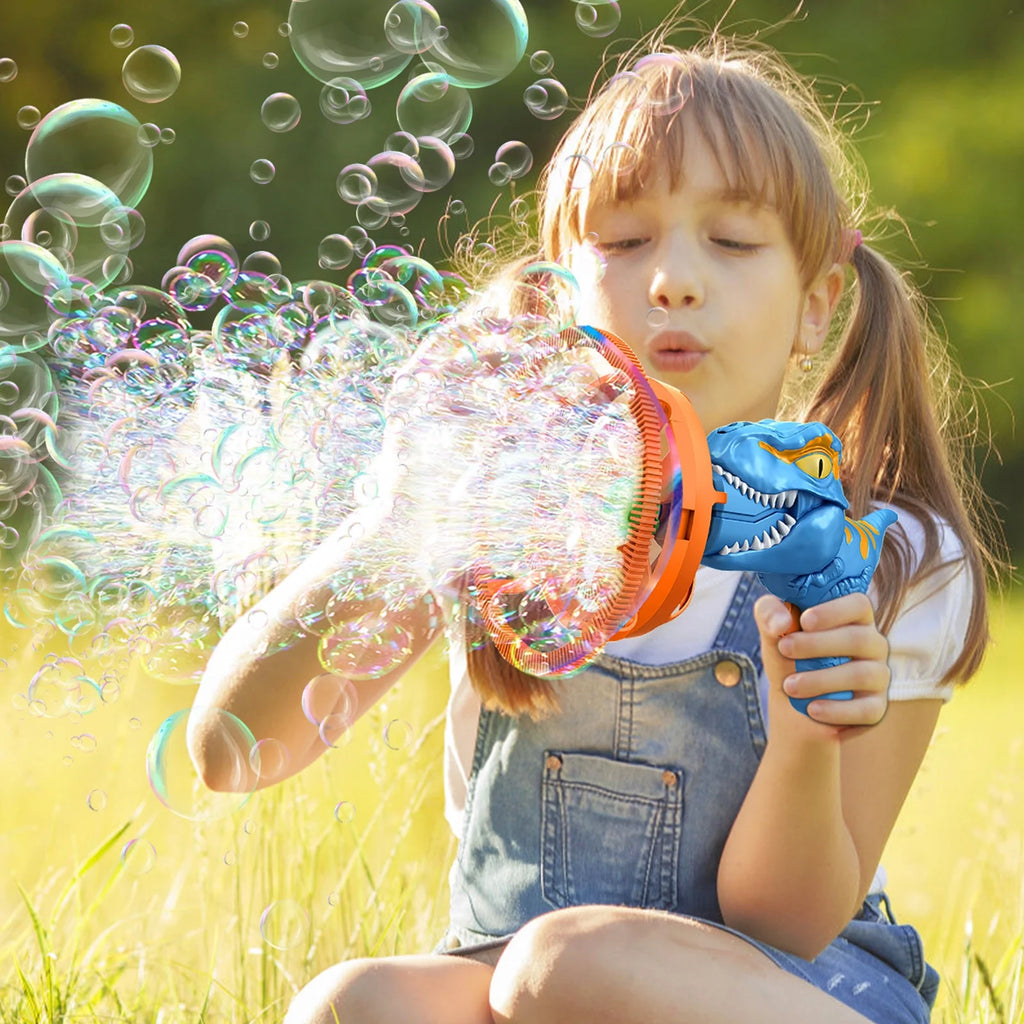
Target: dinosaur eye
[(817, 464)]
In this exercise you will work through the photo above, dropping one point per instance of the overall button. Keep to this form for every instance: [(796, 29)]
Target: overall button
[(727, 672), (553, 763), (669, 778)]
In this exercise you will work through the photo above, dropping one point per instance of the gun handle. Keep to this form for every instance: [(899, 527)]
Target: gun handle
[(808, 665)]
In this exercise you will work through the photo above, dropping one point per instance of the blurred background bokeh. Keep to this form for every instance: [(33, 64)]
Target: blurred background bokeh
[(223, 918)]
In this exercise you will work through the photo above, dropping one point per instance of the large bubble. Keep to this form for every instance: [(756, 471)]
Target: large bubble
[(78, 219), (483, 41), (344, 38), (94, 138), (431, 104), (29, 274)]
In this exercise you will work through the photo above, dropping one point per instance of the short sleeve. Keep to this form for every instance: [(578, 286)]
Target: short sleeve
[(931, 627)]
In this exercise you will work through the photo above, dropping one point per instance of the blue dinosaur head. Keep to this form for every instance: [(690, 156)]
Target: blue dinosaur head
[(785, 507)]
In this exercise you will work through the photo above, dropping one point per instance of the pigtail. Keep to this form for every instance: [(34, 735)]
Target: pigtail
[(889, 396)]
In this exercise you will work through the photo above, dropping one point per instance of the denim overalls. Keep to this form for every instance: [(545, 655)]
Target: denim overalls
[(627, 797)]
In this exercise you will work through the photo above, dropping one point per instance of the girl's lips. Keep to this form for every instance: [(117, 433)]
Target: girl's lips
[(675, 351), (676, 360)]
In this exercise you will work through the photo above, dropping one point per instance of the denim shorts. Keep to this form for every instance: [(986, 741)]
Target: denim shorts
[(875, 966)]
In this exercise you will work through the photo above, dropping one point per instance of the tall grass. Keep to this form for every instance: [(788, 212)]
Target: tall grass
[(114, 908)]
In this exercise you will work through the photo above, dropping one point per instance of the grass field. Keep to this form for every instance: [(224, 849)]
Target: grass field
[(113, 907)]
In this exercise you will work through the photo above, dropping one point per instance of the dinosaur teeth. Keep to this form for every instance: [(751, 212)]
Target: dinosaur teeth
[(782, 528)]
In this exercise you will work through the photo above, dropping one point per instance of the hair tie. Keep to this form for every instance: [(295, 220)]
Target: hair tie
[(850, 239)]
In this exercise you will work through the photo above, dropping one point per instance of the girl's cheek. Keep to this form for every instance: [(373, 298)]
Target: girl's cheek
[(587, 265)]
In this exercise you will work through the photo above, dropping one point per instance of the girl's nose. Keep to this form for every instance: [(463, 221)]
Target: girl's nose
[(676, 281)]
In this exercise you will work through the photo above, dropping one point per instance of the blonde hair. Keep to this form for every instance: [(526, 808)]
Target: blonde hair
[(890, 391)]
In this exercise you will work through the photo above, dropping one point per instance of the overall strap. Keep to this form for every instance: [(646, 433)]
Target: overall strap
[(738, 631)]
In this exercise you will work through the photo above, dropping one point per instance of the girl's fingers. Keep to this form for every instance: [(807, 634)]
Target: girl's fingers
[(864, 678), (852, 609), (862, 710), (848, 641)]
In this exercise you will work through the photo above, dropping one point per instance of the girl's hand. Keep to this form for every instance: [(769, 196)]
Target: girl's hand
[(844, 627)]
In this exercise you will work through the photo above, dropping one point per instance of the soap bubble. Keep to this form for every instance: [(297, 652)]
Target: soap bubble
[(541, 62), (138, 856), (546, 98), (151, 73), (483, 48), (356, 182), (283, 924), (397, 734), (598, 18), (240, 29), (431, 104), (335, 252), (148, 134), (269, 759), (329, 694), (348, 39), (122, 35), (262, 172), (173, 777), (94, 138), (30, 273), (345, 811), (270, 60), (96, 800), (28, 117), (259, 230), (343, 100), (280, 112), (517, 156), (8, 69), (412, 26)]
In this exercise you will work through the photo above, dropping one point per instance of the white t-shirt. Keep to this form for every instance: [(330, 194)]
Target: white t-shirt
[(924, 641)]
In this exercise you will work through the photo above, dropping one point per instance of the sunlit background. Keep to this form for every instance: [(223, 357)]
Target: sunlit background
[(115, 903)]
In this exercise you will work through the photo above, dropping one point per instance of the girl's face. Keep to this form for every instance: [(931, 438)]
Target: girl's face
[(704, 286)]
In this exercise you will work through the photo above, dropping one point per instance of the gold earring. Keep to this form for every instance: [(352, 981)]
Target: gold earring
[(807, 363)]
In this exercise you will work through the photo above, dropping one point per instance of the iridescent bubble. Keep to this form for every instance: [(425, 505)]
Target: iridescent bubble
[(333, 38), (77, 200), (284, 923), (138, 857), (499, 174), (480, 50), (269, 760), (334, 252), (366, 647), (343, 101), (28, 117), (122, 35), (270, 60), (167, 136), (618, 158), (412, 26), (329, 694), (517, 156), (400, 182), (657, 317), (30, 273), (345, 812), (148, 134), (240, 29), (259, 230), (8, 69), (546, 98), (262, 172), (280, 112), (397, 734), (541, 62), (519, 210), (457, 206), (14, 184), (95, 138), (598, 18), (462, 145), (436, 163), (431, 104), (151, 73), (578, 170), (284, 30), (173, 777), (96, 800), (356, 182)]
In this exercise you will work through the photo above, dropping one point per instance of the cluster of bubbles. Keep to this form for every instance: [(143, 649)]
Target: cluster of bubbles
[(157, 476)]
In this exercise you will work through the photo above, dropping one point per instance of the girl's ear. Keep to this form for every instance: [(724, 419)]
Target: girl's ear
[(820, 301)]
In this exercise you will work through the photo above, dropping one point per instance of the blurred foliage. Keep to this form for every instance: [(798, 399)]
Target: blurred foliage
[(938, 89)]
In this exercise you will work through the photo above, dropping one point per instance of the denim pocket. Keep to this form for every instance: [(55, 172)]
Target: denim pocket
[(610, 831)]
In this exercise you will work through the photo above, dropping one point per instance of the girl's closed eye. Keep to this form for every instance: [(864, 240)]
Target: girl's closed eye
[(735, 244), (617, 245)]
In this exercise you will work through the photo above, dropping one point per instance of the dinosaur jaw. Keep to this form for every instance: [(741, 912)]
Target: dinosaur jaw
[(783, 531)]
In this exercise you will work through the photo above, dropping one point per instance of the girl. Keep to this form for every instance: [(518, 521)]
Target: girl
[(662, 837)]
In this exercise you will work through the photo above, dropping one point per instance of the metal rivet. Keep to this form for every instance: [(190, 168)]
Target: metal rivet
[(669, 778), (553, 763), (727, 672)]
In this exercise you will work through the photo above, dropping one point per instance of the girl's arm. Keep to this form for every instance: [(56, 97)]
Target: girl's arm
[(260, 668), (806, 843)]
